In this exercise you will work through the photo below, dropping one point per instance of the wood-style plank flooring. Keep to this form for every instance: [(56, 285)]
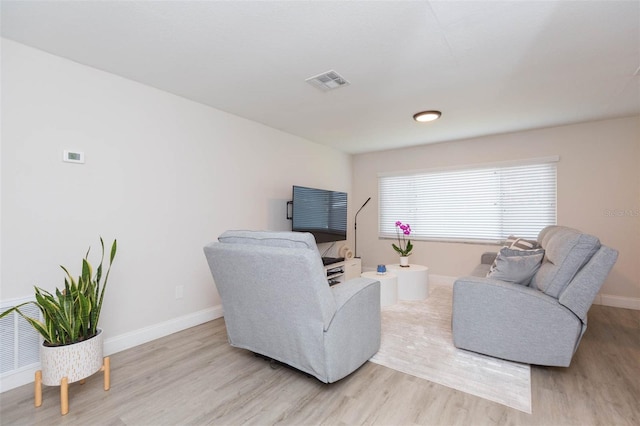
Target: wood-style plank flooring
[(195, 378)]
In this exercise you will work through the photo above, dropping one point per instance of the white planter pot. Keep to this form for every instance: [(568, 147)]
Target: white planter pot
[(75, 362), (404, 260)]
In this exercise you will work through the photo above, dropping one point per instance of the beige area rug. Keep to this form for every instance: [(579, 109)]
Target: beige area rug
[(417, 340)]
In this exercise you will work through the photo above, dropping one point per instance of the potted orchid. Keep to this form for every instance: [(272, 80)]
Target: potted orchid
[(404, 246)]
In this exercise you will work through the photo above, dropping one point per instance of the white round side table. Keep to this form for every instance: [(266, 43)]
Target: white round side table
[(413, 281), (388, 286)]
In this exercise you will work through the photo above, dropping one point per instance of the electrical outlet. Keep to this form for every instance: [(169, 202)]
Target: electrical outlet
[(179, 291)]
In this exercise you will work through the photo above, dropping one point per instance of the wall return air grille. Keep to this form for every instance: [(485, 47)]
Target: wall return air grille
[(327, 81), (19, 342)]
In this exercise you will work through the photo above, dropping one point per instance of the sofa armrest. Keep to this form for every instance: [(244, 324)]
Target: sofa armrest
[(580, 293), (488, 257), (513, 322)]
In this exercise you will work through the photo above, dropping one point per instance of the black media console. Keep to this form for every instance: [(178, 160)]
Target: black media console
[(330, 260)]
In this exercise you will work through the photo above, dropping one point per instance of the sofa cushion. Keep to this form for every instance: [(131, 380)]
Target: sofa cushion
[(566, 251), (271, 239), (516, 266)]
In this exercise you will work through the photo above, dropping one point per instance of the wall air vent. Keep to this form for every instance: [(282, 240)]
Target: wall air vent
[(19, 342), (327, 81)]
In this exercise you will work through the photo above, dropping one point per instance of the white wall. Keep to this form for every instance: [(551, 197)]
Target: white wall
[(598, 193), (163, 175)]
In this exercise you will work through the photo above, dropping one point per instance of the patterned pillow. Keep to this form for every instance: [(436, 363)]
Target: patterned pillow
[(516, 243)]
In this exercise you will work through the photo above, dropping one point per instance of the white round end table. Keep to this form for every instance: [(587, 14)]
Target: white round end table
[(388, 286), (413, 281)]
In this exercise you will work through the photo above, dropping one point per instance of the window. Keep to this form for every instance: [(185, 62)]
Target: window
[(484, 204)]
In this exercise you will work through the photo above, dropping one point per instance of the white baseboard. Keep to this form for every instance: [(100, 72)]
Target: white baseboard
[(122, 342), (138, 337), (618, 301), (18, 378)]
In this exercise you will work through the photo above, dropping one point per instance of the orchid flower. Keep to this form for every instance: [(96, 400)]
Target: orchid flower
[(404, 246)]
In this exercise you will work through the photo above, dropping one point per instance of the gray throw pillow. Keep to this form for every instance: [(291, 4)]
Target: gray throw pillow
[(516, 266)]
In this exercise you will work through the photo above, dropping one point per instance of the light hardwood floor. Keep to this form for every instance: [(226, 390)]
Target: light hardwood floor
[(194, 377)]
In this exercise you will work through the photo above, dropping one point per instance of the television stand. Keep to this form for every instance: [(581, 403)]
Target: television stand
[(342, 270)]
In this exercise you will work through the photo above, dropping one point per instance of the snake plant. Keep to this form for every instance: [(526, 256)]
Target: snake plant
[(71, 315)]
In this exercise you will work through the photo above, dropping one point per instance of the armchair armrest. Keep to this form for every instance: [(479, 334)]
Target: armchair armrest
[(353, 336), (346, 290), (512, 321)]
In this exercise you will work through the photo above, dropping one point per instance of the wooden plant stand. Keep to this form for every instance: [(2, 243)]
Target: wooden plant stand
[(64, 387)]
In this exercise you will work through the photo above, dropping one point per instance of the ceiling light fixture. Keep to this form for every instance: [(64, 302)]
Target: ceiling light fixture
[(424, 116)]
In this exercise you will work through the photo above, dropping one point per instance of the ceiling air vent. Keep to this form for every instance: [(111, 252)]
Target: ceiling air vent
[(327, 81)]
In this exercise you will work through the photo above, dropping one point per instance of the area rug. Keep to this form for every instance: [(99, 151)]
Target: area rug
[(417, 340)]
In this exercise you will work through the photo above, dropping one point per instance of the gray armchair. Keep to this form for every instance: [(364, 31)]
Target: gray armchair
[(277, 303), (542, 321)]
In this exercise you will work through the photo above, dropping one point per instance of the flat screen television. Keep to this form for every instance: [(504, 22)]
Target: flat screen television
[(321, 212)]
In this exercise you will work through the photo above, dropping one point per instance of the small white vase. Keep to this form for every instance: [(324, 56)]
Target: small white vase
[(75, 362), (404, 261)]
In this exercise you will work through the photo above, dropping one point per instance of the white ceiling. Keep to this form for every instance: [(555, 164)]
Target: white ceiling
[(490, 67)]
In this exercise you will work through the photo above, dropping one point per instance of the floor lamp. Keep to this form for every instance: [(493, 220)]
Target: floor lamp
[(355, 228)]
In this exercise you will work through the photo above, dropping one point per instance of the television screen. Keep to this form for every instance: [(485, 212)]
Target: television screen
[(322, 213)]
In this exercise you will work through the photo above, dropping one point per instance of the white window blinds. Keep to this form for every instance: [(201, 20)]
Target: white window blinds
[(481, 204)]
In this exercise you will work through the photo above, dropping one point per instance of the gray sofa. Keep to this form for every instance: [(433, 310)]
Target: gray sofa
[(277, 303), (539, 320)]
